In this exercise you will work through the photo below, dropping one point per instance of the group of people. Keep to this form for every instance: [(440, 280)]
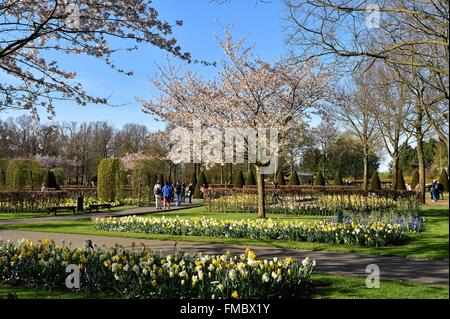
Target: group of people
[(167, 193), (436, 190)]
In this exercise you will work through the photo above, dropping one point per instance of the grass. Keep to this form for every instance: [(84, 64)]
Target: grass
[(60, 213), (430, 244), (324, 287)]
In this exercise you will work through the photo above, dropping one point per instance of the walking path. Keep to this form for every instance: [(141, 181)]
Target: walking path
[(391, 268), (126, 212)]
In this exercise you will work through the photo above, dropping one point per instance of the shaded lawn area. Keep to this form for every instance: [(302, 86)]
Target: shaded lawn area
[(324, 287), (4, 215), (430, 244)]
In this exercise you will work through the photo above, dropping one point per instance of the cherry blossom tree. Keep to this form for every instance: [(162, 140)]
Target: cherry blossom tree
[(246, 93), (34, 33)]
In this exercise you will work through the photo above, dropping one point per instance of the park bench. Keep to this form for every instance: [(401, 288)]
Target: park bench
[(54, 209), (97, 206)]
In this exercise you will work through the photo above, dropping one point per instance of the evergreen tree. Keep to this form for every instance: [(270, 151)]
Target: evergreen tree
[(250, 178), (400, 181), (194, 179), (319, 180), (280, 177), (375, 184), (50, 180), (239, 181), (443, 179), (293, 178), (415, 179), (338, 179)]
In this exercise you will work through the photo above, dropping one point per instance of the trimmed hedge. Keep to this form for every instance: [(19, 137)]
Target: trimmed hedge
[(3, 168), (338, 179), (111, 180), (293, 178), (375, 184), (250, 178), (415, 179), (50, 180), (59, 174), (319, 180), (280, 177), (239, 181), (142, 181), (23, 173), (400, 181)]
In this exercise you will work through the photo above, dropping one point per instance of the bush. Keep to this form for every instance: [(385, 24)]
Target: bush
[(24, 173), (239, 181), (161, 179), (59, 174), (338, 179), (250, 178), (415, 179), (443, 179), (111, 180), (280, 177), (375, 184), (319, 180), (3, 169), (293, 178), (400, 181), (50, 180), (142, 181)]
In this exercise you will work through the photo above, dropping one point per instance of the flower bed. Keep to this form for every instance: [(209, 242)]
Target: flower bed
[(372, 234), (141, 273), (312, 201)]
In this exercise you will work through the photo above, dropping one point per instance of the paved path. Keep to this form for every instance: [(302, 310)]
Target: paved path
[(391, 268), (127, 212)]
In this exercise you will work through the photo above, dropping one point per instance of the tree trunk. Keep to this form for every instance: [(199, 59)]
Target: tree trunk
[(394, 170), (366, 168), (261, 193), (420, 151), (231, 173), (221, 174)]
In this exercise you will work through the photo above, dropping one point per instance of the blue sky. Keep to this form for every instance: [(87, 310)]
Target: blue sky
[(261, 23)]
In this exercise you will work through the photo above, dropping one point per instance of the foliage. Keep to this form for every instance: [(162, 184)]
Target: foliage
[(3, 170), (201, 181), (23, 173), (443, 179), (239, 181), (250, 178), (415, 179), (142, 181), (319, 180), (59, 175), (141, 273), (111, 180), (375, 184), (280, 177), (194, 179), (400, 181), (338, 179), (371, 234), (293, 178), (50, 179)]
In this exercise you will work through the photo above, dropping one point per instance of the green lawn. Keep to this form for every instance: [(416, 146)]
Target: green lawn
[(63, 213), (430, 244), (324, 287)]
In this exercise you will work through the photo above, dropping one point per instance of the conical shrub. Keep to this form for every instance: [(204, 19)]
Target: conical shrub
[(280, 177), (201, 181), (239, 181), (338, 179), (293, 178), (400, 181), (415, 179), (443, 179), (50, 180), (375, 184), (250, 178), (319, 180)]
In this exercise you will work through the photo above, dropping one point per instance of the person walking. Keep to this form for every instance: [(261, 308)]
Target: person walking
[(434, 191), (183, 192), (440, 188), (178, 192), (190, 192), (202, 190), (157, 191), (166, 193)]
